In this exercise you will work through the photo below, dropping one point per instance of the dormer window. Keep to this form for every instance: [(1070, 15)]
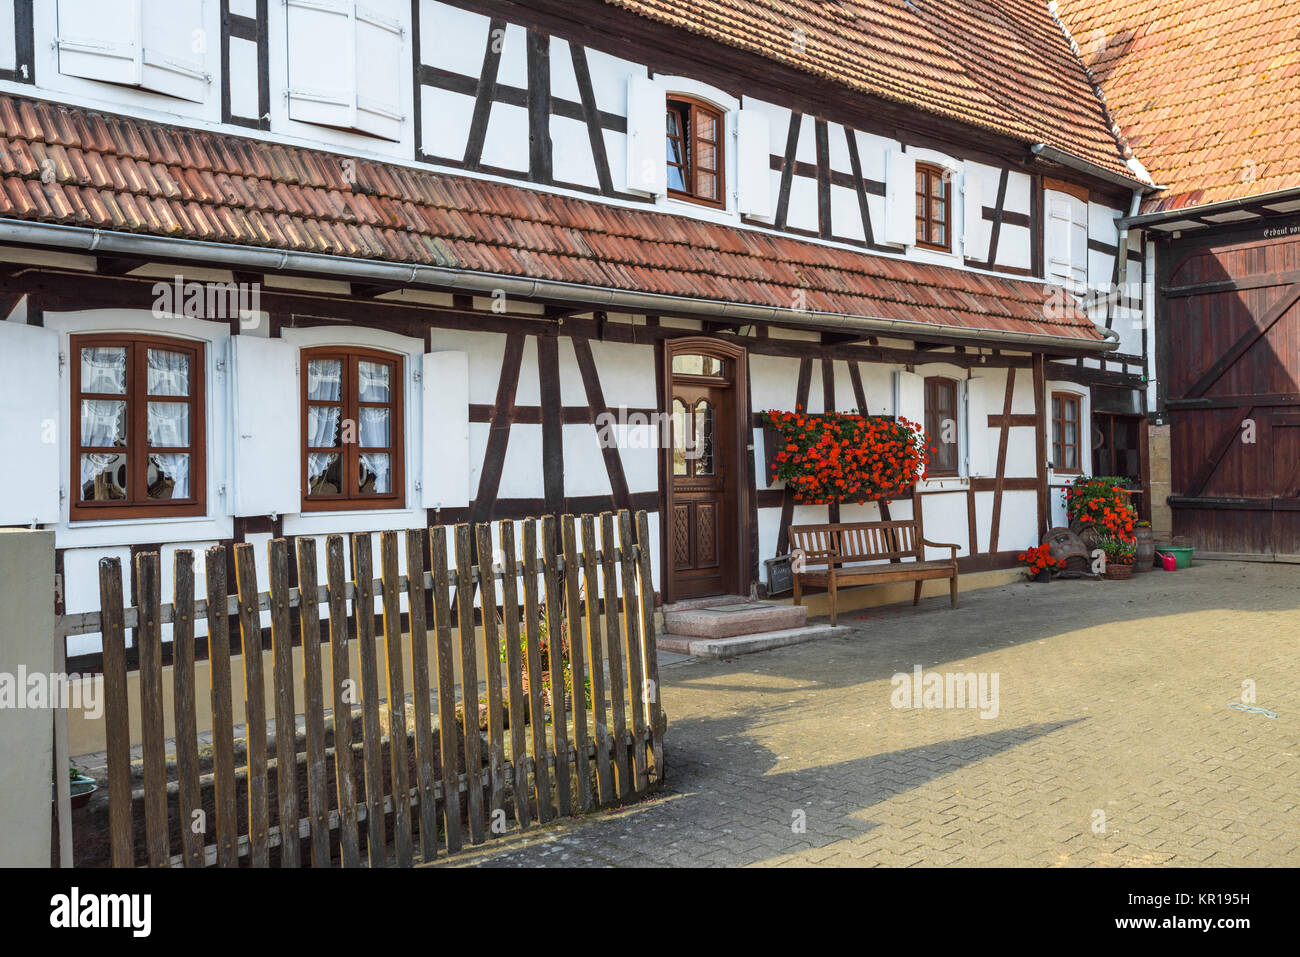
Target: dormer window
[(695, 152), (933, 208)]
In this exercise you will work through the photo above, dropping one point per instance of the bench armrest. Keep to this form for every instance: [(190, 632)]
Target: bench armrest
[(926, 541)]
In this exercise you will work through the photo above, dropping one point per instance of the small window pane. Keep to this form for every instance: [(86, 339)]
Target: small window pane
[(701, 450), (707, 156), (375, 474), (679, 433), (169, 373), (372, 381), (169, 424), (103, 370), (169, 475), (936, 209), (706, 186), (939, 235), (325, 380), (920, 182), (1056, 407), (103, 424), (103, 477), (324, 473), (696, 364), (323, 426), (706, 127), (936, 186), (920, 206), (373, 429)]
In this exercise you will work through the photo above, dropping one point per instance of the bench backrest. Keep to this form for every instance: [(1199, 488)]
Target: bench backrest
[(856, 542)]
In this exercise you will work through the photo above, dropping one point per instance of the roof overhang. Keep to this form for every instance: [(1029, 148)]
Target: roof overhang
[(1228, 211), (79, 239)]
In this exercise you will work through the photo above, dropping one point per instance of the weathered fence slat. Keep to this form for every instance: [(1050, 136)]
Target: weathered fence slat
[(225, 799), (420, 697), (577, 660), (613, 648), (344, 765), (313, 683), (492, 676), (514, 671), (187, 741), (555, 628), (596, 660), (118, 730), (372, 752), (632, 643), (469, 683), (398, 767), (250, 636), (532, 638), (648, 647), (446, 689), (286, 751), (148, 585)]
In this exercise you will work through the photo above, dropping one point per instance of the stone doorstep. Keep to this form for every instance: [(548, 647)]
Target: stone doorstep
[(689, 604), (745, 644), (735, 618)]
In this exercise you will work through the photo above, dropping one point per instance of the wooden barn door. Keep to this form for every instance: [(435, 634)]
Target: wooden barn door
[(706, 474), (1232, 315)]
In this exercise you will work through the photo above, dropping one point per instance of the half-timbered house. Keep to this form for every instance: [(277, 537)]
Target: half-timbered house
[(504, 242)]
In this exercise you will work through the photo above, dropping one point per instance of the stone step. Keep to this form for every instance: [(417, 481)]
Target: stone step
[(688, 604), (734, 618), (746, 644)]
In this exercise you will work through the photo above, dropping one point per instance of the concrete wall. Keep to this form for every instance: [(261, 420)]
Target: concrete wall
[(26, 734)]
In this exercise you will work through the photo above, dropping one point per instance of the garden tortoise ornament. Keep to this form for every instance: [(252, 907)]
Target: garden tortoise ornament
[(1065, 545)]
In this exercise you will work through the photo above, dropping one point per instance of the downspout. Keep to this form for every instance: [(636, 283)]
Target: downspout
[(1122, 251)]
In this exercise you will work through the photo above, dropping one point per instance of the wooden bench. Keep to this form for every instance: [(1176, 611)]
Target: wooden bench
[(824, 555)]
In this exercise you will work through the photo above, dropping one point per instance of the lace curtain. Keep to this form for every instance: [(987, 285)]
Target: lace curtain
[(175, 466), (373, 426), (103, 369), (377, 464), (169, 424), (169, 373), (372, 382), (324, 380)]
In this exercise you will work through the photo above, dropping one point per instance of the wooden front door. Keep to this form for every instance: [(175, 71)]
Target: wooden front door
[(1232, 321), (705, 473)]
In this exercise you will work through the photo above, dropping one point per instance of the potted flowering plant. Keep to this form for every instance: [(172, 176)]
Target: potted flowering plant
[(1120, 556), (844, 457), (1099, 508), (1039, 563)]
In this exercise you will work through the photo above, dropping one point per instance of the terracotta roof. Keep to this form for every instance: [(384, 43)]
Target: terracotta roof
[(1206, 92), (1004, 65), (78, 167)]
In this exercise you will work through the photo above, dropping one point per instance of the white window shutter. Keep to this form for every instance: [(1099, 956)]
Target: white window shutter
[(979, 451), (444, 379), (1056, 238), (647, 137), (29, 422), (171, 64), (381, 70), (266, 474), (100, 40), (1079, 241), (909, 397), (975, 229), (900, 199), (753, 163), (322, 62)]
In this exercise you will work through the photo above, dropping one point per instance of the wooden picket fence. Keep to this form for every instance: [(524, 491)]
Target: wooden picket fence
[(595, 756)]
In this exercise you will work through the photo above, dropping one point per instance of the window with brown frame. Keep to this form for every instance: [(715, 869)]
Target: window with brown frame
[(695, 152), (941, 425), (1066, 425), (352, 429), (137, 427), (933, 222)]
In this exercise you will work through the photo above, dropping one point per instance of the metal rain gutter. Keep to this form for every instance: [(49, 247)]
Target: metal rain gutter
[(442, 278), (1222, 206), (1048, 152)]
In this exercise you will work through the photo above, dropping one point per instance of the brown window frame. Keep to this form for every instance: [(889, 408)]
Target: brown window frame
[(137, 504), (690, 151), (350, 499), (950, 385), (928, 173), (1059, 445)]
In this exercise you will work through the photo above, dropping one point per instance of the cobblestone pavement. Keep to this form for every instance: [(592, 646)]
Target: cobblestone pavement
[(1113, 743)]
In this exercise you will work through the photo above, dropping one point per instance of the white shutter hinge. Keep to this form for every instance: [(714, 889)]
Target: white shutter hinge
[(416, 375), (63, 360), (418, 485), (221, 489), (220, 365)]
